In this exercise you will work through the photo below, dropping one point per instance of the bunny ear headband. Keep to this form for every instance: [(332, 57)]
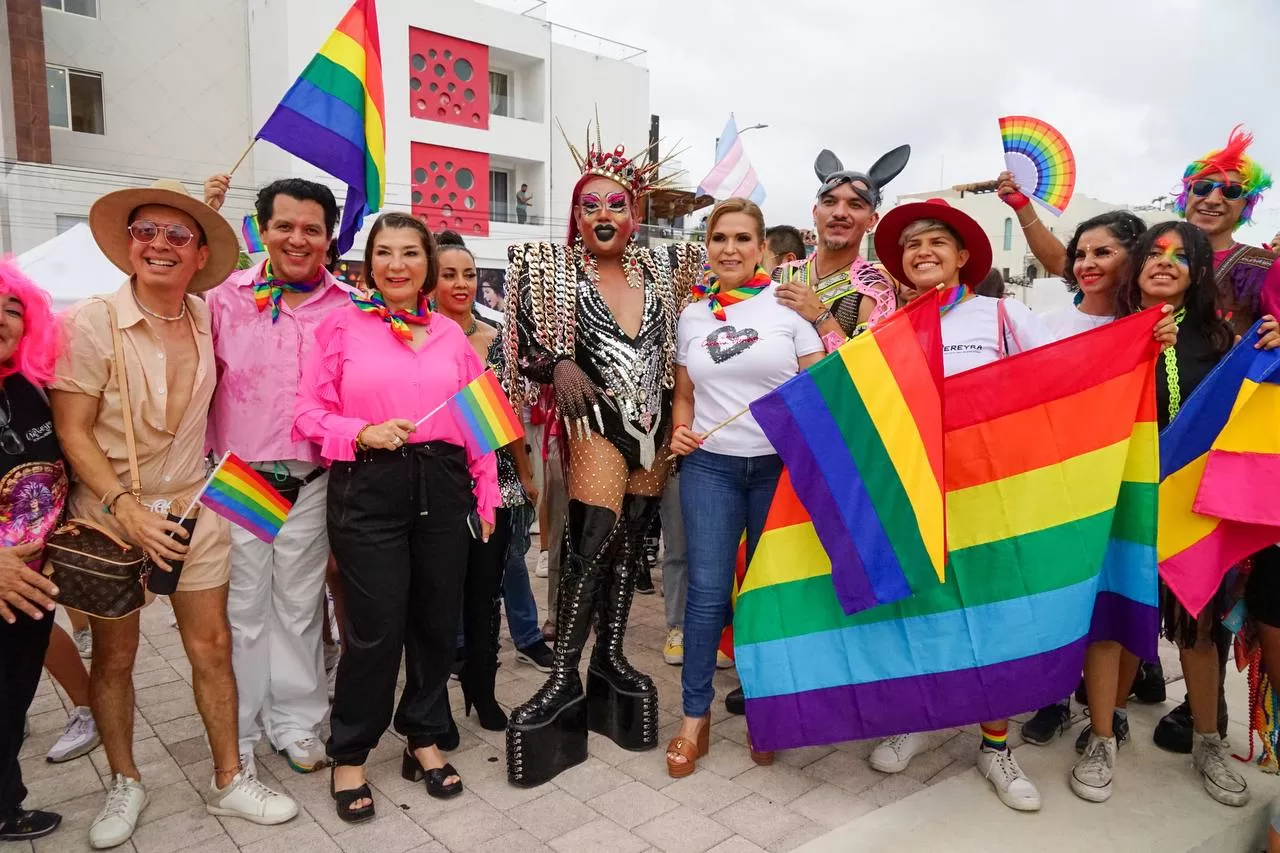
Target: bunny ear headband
[(832, 173)]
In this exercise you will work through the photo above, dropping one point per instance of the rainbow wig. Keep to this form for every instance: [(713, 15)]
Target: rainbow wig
[(41, 343), (1230, 158)]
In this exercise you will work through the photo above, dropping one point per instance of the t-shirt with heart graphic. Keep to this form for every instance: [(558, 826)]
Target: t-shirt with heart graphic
[(738, 359)]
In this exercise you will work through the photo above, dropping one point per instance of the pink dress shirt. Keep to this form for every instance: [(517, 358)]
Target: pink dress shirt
[(259, 366), (359, 373)]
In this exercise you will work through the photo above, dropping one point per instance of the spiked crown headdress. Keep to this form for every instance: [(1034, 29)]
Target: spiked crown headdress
[(640, 175)]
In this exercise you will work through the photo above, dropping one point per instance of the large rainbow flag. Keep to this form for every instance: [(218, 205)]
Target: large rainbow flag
[(333, 116), (861, 433), (244, 497), (1219, 463), (1051, 476)]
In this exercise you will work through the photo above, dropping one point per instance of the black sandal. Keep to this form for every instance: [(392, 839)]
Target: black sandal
[(344, 800), (413, 771)]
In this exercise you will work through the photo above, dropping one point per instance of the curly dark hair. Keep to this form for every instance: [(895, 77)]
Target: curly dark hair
[(1121, 224), (302, 191), (1201, 298)]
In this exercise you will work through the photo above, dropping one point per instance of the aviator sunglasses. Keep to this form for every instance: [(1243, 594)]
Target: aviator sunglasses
[(1230, 191), (146, 231)]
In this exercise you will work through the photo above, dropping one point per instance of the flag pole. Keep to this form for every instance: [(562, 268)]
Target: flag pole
[(724, 423), (243, 154), (196, 500), (425, 417)]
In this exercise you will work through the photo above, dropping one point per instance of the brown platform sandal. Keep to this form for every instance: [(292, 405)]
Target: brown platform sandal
[(689, 750), (762, 759)]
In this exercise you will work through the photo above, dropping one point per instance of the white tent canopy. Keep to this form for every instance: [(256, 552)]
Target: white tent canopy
[(71, 267)]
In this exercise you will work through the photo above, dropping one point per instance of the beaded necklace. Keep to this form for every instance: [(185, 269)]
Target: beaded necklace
[(1171, 371)]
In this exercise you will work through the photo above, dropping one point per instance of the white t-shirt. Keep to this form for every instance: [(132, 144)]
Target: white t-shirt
[(1069, 321), (737, 360), (971, 333)]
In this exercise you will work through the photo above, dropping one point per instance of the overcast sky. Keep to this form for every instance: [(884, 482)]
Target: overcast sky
[(1138, 87)]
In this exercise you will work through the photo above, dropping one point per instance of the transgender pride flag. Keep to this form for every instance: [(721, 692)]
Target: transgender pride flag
[(732, 176)]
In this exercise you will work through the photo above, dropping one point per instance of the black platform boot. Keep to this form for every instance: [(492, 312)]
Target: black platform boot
[(548, 734), (478, 675), (622, 703)]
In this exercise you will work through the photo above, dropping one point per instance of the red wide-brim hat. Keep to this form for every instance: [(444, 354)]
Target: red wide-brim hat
[(893, 223)]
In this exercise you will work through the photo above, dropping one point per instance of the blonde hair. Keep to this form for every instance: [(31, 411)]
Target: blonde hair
[(737, 205), (921, 226)]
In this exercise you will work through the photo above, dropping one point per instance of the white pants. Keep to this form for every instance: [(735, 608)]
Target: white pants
[(274, 607)]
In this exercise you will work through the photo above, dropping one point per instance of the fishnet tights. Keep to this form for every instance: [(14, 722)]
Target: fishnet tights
[(597, 474)]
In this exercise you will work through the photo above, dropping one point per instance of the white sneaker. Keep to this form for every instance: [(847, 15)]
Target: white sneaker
[(1224, 784), (114, 824), (80, 737), (1091, 777), (83, 639), (1012, 786), (673, 648), (306, 755), (248, 798), (895, 753), (543, 569)]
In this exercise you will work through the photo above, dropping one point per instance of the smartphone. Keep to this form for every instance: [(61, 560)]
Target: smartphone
[(473, 524)]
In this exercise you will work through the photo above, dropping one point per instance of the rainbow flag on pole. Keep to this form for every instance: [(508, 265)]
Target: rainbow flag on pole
[(1219, 462), (252, 234), (242, 496), (333, 116), (1051, 482), (483, 410), (861, 433)]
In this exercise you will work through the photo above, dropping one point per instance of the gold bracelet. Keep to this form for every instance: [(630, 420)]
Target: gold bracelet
[(360, 445), (1035, 221)]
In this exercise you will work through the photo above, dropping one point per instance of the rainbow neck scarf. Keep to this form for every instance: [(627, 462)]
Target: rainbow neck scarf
[(952, 297), (399, 319), (270, 289), (717, 301)]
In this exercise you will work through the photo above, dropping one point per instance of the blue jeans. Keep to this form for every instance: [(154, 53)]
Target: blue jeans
[(517, 594), (720, 496)]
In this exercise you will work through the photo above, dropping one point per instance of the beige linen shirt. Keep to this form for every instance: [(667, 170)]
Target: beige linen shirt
[(171, 465)]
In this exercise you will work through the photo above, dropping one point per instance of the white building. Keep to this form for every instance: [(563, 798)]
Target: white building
[(96, 95)]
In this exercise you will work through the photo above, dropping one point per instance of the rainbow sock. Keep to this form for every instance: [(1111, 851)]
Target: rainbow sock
[(993, 738)]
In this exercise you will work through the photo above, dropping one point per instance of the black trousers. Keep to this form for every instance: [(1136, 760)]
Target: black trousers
[(483, 593), (22, 648), (398, 527)]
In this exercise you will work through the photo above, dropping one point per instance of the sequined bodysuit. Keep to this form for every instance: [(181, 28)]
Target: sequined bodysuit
[(560, 314)]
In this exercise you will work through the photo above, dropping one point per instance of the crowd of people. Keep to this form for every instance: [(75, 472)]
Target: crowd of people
[(634, 365)]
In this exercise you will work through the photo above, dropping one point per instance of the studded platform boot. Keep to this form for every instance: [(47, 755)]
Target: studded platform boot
[(622, 703), (548, 734)]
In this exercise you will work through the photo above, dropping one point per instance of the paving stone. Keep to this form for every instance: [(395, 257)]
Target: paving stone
[(760, 820), (777, 783), (391, 832), (187, 829), (306, 838), (590, 779), (847, 770), (683, 830), (469, 826), (892, 789), (600, 834), (513, 842), (705, 792), (632, 804), (546, 817), (831, 805)]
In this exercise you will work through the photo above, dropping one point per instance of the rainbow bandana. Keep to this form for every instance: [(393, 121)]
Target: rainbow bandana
[(270, 289), (709, 289), (399, 319)]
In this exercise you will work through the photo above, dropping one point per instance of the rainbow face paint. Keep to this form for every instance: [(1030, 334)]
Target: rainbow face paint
[(1166, 249)]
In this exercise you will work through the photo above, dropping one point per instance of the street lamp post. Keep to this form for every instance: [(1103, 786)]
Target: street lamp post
[(744, 130)]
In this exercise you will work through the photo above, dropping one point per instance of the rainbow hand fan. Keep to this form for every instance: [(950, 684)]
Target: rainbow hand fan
[(1040, 159)]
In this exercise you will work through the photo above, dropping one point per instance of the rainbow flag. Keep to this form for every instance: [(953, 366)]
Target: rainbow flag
[(1219, 460), (483, 410), (333, 116), (241, 495), (252, 234), (861, 432), (1051, 476)]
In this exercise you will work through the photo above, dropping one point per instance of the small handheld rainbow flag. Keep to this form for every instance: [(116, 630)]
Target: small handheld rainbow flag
[(241, 495), (252, 235), (482, 409)]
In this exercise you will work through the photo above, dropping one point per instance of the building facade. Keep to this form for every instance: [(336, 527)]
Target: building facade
[(98, 94)]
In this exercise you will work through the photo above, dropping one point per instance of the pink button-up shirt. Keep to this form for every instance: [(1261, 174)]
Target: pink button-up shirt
[(359, 373), (259, 366)]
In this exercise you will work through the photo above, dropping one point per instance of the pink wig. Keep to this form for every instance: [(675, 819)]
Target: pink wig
[(41, 342)]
